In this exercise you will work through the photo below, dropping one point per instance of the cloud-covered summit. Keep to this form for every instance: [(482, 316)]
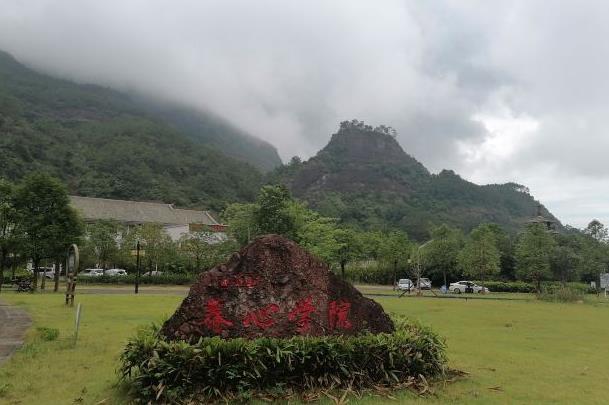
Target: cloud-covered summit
[(498, 91)]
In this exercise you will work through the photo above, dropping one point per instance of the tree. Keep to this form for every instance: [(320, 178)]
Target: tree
[(102, 240), (157, 244), (272, 212), (534, 253), (7, 224), (241, 220), (480, 257), (395, 247), (596, 230), (198, 246), (349, 247), (44, 218), (442, 251), (564, 263)]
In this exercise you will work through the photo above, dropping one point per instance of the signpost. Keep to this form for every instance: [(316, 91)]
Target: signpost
[(72, 263), (605, 282)]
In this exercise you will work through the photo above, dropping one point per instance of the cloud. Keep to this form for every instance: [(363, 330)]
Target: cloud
[(498, 91)]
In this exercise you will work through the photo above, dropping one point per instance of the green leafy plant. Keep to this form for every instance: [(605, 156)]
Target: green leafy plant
[(216, 368), (48, 334)]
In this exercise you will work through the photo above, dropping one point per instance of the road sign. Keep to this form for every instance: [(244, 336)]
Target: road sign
[(134, 252), (605, 280)]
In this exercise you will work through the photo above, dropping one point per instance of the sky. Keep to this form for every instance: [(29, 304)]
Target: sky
[(495, 90)]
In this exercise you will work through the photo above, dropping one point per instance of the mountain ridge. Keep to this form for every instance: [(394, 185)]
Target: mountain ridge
[(364, 177), (102, 144)]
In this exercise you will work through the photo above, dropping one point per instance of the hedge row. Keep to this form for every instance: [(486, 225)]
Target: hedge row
[(180, 279), (523, 287), (216, 368)]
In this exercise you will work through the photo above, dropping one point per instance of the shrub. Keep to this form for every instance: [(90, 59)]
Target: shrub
[(130, 279), (523, 287), (562, 294), (216, 368), (372, 272), (48, 334)]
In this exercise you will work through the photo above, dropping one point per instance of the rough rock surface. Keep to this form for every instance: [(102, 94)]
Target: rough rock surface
[(274, 288)]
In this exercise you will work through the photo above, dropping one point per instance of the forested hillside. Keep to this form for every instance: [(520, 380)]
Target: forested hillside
[(102, 143), (364, 177)]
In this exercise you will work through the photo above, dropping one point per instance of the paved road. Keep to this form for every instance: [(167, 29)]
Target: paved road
[(14, 323)]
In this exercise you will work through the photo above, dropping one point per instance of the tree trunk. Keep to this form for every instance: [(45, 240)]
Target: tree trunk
[(445, 283), (35, 281), (2, 257), (538, 286), (57, 271), (342, 268), (44, 279), (395, 272), (14, 265)]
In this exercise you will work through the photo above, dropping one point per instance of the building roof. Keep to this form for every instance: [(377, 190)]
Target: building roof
[(135, 212)]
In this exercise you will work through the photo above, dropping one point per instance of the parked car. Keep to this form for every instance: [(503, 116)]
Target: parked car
[(153, 273), (116, 272), (405, 284), (425, 284), (466, 287), (91, 273), (49, 271)]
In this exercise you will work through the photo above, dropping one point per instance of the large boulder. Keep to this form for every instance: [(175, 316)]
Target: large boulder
[(272, 287)]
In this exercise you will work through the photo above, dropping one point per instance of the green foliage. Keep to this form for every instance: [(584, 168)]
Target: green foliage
[(272, 212), (101, 242), (216, 368), (441, 253), (534, 254), (365, 179), (524, 287), (44, 220), (480, 257), (561, 294), (597, 231), (163, 279), (373, 272), (103, 144), (47, 334)]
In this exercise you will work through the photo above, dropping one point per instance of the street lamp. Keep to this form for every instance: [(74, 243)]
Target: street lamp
[(137, 263)]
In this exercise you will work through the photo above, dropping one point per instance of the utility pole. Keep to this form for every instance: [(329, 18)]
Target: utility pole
[(137, 261)]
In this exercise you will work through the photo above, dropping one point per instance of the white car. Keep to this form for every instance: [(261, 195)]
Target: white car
[(425, 284), (467, 287), (152, 273), (91, 273), (405, 284), (116, 272)]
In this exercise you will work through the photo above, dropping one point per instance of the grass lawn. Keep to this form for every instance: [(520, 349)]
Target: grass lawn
[(515, 351)]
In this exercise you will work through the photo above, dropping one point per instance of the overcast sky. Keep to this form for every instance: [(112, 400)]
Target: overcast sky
[(495, 90)]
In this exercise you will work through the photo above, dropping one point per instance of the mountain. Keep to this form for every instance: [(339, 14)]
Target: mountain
[(364, 177), (105, 143)]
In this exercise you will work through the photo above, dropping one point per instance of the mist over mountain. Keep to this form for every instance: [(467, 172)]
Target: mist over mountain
[(364, 177), (108, 144)]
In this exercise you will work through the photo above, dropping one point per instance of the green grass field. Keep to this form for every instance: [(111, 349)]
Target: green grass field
[(515, 351)]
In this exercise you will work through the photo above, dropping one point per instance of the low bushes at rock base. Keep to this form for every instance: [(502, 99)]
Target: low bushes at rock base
[(216, 368)]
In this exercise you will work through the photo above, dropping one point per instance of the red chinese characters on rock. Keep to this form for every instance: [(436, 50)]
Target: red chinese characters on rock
[(213, 318), (239, 281), (338, 315), (302, 314), (262, 318)]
